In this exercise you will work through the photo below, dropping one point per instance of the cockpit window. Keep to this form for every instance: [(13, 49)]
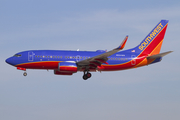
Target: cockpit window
[(17, 55)]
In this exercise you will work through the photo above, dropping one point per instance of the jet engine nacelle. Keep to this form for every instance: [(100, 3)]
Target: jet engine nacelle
[(56, 72), (66, 68)]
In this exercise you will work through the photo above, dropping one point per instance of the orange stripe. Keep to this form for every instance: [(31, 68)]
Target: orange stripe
[(155, 51), (153, 40)]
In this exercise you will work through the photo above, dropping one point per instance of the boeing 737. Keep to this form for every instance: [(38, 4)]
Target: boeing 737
[(70, 62)]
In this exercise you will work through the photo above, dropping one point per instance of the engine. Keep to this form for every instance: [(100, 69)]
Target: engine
[(56, 72), (66, 68)]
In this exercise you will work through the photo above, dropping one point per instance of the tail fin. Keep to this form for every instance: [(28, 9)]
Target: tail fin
[(152, 43)]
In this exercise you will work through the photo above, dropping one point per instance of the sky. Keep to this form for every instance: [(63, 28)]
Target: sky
[(150, 92)]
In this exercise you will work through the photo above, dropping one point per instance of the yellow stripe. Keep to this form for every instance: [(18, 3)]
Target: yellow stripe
[(152, 40)]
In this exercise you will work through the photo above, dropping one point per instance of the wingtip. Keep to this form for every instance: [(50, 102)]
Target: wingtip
[(126, 37), (170, 52), (123, 43)]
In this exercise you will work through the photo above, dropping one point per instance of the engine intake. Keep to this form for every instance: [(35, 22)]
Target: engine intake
[(66, 68)]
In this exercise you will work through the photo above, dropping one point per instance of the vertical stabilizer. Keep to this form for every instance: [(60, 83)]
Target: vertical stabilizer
[(152, 43)]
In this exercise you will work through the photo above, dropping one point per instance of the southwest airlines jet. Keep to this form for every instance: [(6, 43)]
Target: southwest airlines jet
[(69, 62)]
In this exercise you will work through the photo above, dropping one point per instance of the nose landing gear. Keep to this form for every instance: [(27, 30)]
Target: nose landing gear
[(25, 73), (24, 69), (86, 75)]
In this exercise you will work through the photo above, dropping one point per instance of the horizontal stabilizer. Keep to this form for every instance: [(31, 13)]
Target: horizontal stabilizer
[(158, 55)]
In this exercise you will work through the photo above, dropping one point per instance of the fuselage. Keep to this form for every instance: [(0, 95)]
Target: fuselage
[(49, 59), (65, 62)]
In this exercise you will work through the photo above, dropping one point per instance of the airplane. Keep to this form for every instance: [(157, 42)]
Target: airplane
[(65, 62)]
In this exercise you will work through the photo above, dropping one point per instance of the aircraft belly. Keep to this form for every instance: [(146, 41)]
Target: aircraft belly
[(138, 62), (40, 65)]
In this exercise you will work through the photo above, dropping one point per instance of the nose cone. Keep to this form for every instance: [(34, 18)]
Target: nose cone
[(9, 61)]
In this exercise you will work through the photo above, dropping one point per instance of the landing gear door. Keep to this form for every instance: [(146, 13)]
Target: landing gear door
[(30, 56)]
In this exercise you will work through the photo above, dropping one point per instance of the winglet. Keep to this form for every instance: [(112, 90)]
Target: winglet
[(123, 43)]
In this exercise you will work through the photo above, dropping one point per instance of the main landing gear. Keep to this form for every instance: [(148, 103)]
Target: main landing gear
[(86, 75)]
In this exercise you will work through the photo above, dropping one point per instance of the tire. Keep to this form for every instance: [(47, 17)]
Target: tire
[(85, 77), (88, 75), (25, 74)]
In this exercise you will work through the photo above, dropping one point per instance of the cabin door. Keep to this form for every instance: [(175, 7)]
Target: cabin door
[(133, 61), (30, 56)]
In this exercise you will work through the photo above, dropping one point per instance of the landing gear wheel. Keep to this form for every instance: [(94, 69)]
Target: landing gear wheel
[(88, 75), (85, 77), (25, 73)]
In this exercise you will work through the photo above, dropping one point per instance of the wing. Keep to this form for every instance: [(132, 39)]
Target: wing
[(96, 61)]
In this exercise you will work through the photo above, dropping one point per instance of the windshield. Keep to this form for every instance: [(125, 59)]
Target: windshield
[(17, 55)]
